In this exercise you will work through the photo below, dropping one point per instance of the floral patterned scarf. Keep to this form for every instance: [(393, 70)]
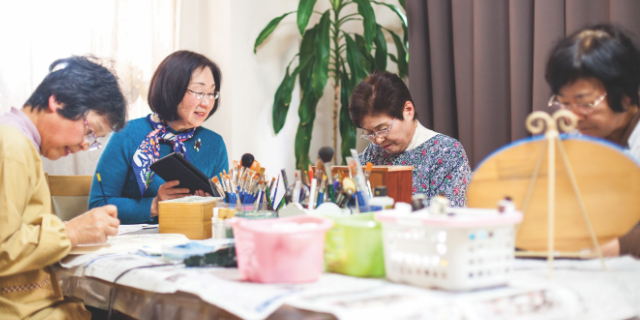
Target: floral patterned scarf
[(149, 150)]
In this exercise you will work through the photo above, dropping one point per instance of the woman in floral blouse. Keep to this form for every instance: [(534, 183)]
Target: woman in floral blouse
[(382, 106)]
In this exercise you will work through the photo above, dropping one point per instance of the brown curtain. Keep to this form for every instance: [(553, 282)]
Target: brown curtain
[(477, 66)]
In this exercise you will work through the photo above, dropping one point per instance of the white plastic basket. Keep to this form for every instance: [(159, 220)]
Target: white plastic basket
[(464, 250)]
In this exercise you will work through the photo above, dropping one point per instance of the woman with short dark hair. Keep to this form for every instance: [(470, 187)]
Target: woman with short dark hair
[(382, 106), (595, 73), (183, 93)]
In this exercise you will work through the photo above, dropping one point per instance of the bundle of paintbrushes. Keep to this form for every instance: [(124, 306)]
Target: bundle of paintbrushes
[(245, 183), (312, 189)]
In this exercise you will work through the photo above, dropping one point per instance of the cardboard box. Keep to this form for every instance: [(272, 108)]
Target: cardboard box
[(190, 216), (397, 179)]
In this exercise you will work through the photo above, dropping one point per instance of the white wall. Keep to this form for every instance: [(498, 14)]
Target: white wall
[(225, 31), (137, 34)]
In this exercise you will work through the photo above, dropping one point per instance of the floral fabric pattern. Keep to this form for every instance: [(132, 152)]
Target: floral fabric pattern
[(440, 167)]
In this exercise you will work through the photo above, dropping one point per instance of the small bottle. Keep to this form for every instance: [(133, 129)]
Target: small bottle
[(380, 200), (221, 232), (439, 205), (419, 202)]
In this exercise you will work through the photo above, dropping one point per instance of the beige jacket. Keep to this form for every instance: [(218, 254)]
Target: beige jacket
[(31, 237)]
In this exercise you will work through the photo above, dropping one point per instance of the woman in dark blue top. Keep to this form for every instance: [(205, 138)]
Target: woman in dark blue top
[(183, 93)]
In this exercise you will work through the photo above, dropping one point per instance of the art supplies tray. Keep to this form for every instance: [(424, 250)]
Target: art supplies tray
[(194, 248), (463, 250)]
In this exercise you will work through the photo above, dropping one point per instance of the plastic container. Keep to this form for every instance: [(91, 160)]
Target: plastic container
[(463, 250), (381, 203), (354, 246), (249, 211), (271, 251)]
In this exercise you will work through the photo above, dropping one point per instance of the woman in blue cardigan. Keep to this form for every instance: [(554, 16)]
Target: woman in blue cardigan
[(183, 93)]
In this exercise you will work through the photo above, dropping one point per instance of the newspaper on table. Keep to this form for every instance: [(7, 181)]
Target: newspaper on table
[(580, 289)]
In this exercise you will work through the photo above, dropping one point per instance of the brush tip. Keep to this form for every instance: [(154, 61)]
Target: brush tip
[(97, 174), (326, 153), (255, 166), (247, 160)]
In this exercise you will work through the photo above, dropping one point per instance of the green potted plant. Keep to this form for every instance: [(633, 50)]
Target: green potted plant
[(328, 51)]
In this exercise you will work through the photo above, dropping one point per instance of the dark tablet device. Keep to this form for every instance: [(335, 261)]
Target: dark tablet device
[(175, 167)]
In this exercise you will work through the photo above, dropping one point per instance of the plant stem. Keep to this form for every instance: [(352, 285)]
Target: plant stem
[(336, 81)]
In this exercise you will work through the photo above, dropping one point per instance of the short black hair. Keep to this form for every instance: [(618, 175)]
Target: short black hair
[(603, 52), (380, 93), (81, 84), (170, 82)]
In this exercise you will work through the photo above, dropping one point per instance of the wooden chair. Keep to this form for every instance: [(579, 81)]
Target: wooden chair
[(69, 195)]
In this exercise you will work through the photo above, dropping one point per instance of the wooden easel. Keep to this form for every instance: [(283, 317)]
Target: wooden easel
[(565, 121), (592, 185)]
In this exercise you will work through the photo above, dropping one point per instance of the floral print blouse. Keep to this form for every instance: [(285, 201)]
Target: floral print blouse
[(440, 166)]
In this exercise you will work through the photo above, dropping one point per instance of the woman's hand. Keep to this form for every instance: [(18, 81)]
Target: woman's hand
[(94, 226), (611, 248), (168, 192), (202, 193)]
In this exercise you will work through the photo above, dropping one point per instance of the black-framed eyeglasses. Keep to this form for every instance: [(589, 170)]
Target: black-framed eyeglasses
[(211, 96), (91, 138), (581, 107), (382, 133)]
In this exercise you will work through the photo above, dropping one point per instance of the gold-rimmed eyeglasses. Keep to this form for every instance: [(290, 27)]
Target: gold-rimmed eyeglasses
[(211, 96), (382, 133), (91, 138), (581, 107)]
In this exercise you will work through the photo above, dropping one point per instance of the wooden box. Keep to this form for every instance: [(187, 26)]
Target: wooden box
[(397, 179), (188, 216)]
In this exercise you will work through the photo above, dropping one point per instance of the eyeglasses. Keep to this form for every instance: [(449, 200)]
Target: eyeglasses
[(91, 138), (200, 95), (382, 133), (582, 107)]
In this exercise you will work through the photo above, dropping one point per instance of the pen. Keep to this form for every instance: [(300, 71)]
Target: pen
[(101, 188)]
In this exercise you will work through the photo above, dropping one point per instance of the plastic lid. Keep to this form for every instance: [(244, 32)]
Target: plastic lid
[(380, 191)]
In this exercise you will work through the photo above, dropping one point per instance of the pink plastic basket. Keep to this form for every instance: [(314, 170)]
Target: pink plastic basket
[(269, 253)]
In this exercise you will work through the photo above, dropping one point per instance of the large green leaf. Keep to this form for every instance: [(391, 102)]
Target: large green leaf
[(348, 130), (381, 50), (402, 4), (282, 99), (402, 16), (368, 63), (368, 21), (268, 29), (322, 51), (309, 101), (307, 56), (305, 10), (354, 60), (402, 58), (307, 114), (304, 113)]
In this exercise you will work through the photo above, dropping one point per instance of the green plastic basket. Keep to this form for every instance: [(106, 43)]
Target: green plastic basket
[(354, 246)]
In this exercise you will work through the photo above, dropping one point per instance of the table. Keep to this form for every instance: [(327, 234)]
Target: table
[(579, 290)]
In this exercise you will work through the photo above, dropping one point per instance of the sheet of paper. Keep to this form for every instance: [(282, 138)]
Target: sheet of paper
[(132, 243), (130, 228)]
